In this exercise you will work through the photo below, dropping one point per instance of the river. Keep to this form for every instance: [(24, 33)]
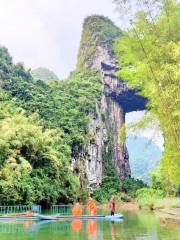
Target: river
[(139, 226)]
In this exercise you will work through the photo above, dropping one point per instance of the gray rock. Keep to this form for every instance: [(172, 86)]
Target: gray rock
[(117, 99)]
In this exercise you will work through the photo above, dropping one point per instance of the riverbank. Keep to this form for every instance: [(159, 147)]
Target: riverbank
[(129, 206), (169, 215), (168, 209)]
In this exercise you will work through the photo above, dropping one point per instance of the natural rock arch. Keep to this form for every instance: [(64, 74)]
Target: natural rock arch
[(96, 52)]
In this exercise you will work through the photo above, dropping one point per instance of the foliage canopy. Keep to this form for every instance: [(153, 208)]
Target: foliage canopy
[(149, 54), (42, 125)]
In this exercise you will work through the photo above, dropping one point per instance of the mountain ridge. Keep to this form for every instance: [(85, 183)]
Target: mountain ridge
[(144, 157), (42, 73)]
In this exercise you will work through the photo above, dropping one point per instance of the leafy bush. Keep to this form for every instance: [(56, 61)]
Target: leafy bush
[(131, 185), (33, 161), (125, 198), (147, 196), (110, 186)]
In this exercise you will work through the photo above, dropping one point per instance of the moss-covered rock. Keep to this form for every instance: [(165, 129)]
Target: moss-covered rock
[(97, 31)]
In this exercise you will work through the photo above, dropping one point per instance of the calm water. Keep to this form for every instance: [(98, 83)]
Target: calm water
[(139, 226)]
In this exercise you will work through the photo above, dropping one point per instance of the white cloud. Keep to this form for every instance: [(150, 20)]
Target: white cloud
[(47, 32)]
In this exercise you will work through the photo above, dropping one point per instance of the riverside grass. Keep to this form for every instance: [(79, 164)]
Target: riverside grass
[(161, 203)]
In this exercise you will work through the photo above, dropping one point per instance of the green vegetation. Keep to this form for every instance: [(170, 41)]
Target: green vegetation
[(131, 185), (43, 74), (98, 31), (167, 203), (155, 197), (62, 105), (149, 54), (126, 188), (147, 196), (110, 182), (33, 166), (152, 199), (42, 125), (112, 185)]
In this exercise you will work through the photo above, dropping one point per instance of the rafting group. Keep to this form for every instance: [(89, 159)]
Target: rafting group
[(77, 213), (77, 210)]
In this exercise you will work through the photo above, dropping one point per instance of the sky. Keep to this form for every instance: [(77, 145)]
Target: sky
[(46, 33)]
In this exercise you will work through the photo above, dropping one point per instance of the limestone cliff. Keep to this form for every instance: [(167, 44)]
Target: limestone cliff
[(96, 52)]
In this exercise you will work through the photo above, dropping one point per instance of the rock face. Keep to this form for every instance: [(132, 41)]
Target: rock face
[(117, 99)]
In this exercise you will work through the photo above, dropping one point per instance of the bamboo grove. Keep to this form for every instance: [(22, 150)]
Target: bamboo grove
[(149, 54)]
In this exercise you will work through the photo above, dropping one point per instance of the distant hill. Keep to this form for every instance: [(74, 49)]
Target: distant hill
[(144, 156), (43, 74)]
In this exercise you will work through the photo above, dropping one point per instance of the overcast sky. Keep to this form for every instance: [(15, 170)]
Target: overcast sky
[(47, 32)]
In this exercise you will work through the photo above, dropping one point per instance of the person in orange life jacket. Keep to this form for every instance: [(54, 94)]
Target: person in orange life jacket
[(91, 206)]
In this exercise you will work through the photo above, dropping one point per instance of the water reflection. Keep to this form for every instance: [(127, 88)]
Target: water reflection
[(113, 231), (92, 229), (135, 226), (76, 225)]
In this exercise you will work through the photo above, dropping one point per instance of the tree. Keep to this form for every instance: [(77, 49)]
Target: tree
[(34, 166), (45, 124), (149, 54)]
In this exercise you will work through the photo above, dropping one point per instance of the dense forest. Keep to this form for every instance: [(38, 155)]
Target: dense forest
[(42, 125)]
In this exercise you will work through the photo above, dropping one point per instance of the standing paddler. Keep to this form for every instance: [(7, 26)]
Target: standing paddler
[(112, 205)]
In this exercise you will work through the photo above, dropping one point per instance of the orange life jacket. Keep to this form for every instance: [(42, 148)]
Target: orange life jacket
[(77, 210), (91, 206)]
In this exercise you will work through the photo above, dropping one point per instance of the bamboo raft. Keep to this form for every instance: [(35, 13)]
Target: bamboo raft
[(19, 218), (59, 217), (82, 217)]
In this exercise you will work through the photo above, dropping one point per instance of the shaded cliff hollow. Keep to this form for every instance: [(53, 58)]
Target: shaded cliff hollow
[(96, 52)]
